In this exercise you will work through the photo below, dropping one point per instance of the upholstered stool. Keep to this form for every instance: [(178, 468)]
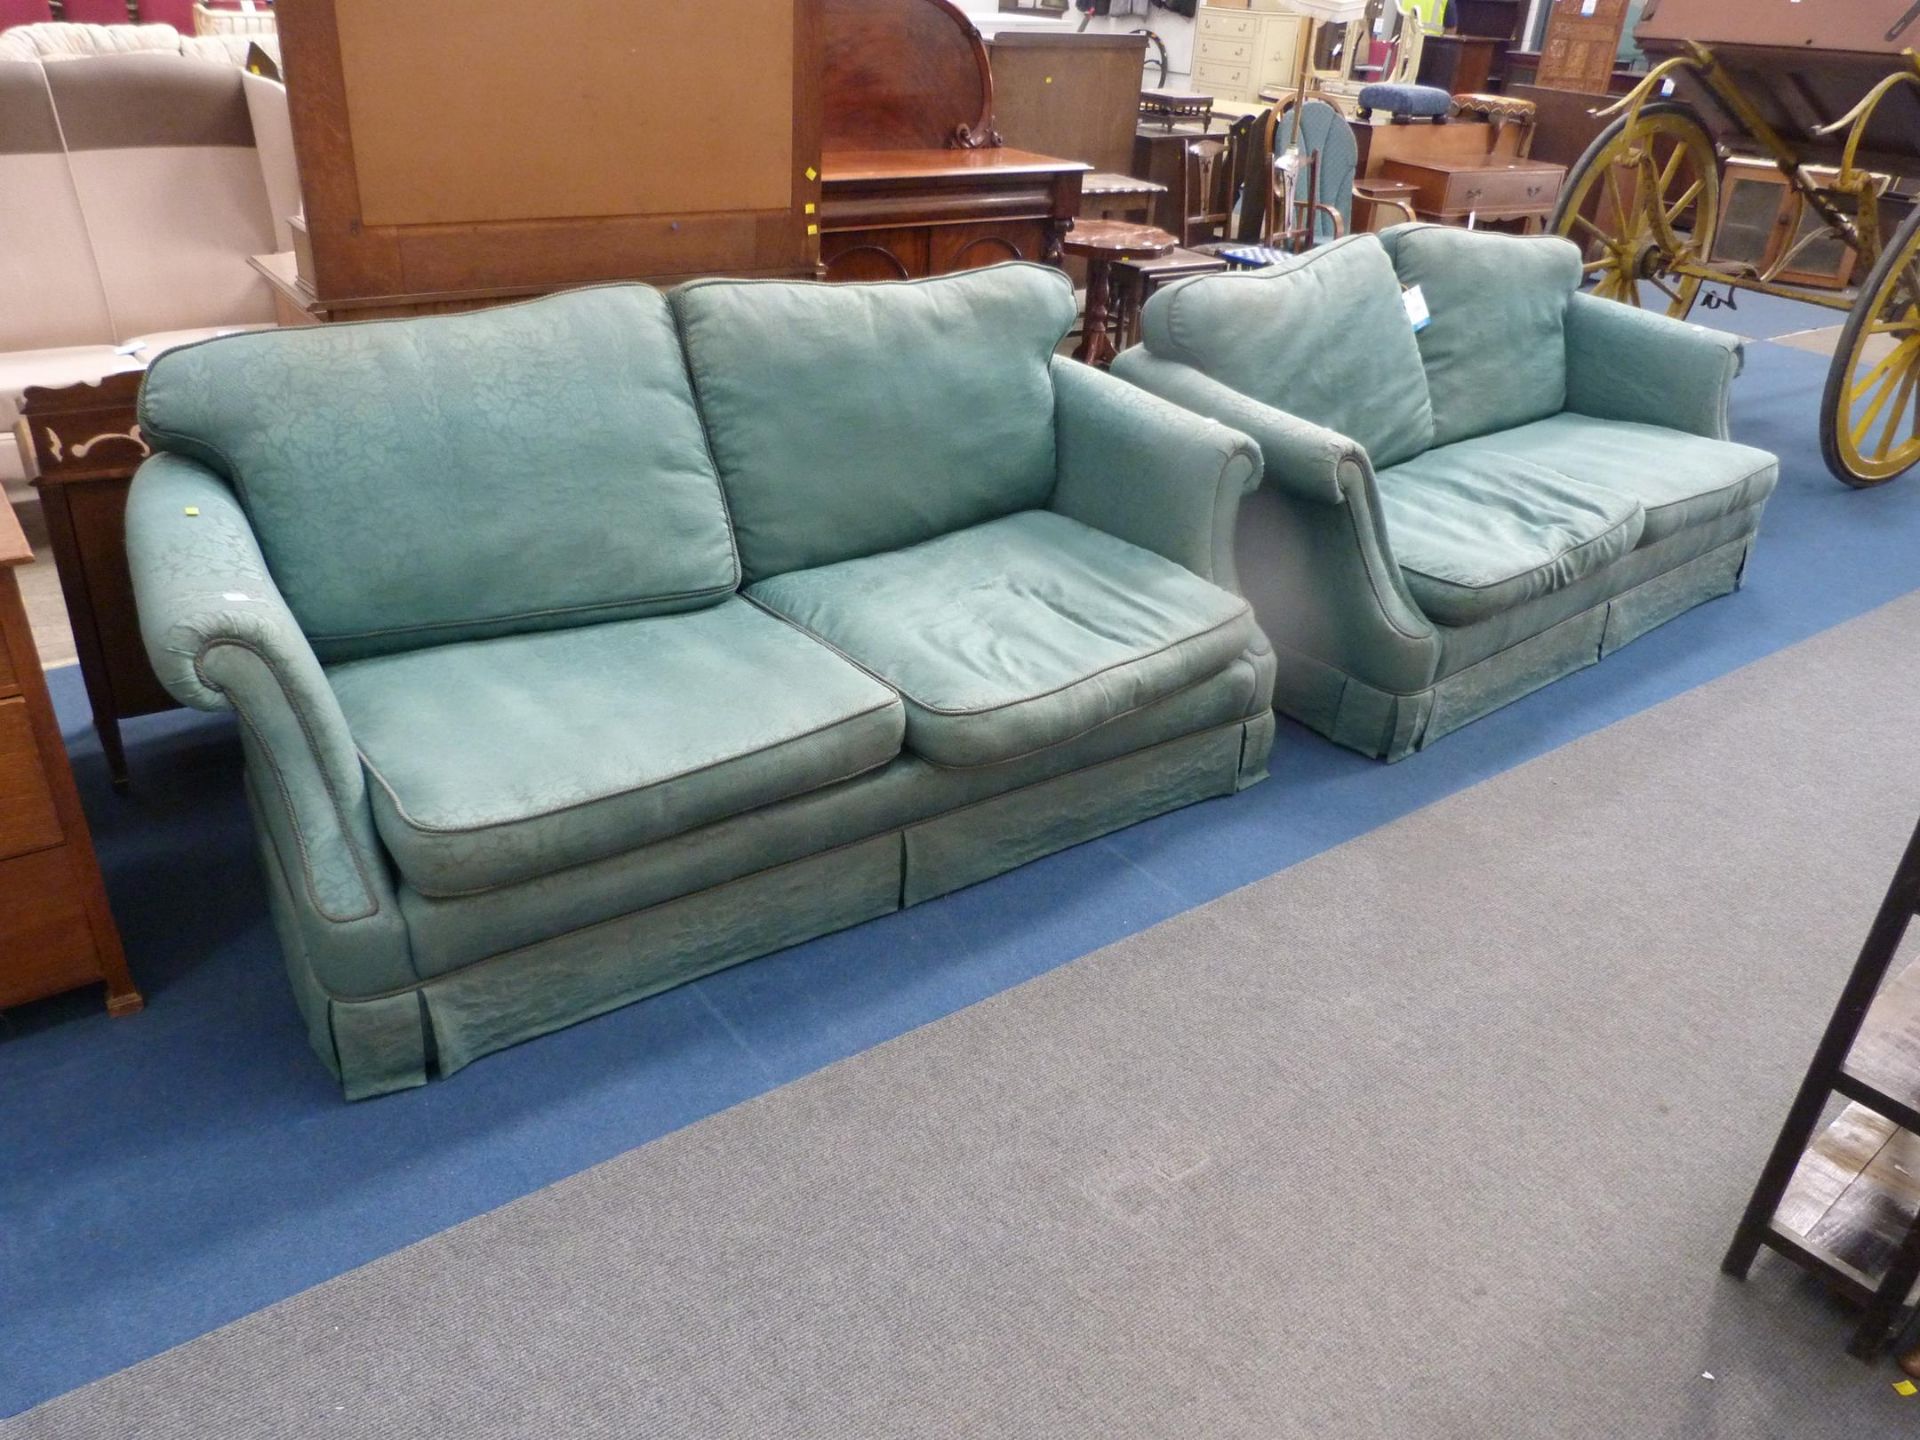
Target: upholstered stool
[(1405, 102), (1102, 244), (1499, 111)]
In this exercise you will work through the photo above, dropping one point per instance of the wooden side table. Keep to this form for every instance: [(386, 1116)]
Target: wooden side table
[(1462, 192), (1102, 243), (83, 445), (56, 932), (1137, 280)]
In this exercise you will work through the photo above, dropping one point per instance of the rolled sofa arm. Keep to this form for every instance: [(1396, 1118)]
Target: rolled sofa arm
[(1333, 590), (221, 637), (1149, 472), (1625, 363), (1301, 457)]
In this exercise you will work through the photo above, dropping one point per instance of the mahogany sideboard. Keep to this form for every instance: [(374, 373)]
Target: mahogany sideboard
[(56, 932), (905, 214)]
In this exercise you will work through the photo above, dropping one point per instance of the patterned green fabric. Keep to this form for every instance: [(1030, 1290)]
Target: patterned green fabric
[(499, 760), (508, 770), (390, 469), (1496, 352), (852, 419), (1629, 364), (1323, 336), (1599, 503), (1680, 480), (1148, 472), (220, 637), (1477, 533), (1017, 634), (452, 931)]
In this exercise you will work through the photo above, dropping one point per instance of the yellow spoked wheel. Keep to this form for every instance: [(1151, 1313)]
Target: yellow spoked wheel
[(1870, 419), (1642, 202)]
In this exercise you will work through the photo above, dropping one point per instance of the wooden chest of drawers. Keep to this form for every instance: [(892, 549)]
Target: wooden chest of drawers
[(1238, 52), (56, 932), (1488, 188)]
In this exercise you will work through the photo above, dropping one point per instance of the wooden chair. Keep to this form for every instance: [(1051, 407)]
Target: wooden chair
[(1215, 175), (1323, 185), (1207, 207)]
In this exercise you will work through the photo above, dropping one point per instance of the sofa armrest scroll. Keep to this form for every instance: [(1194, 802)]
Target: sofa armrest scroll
[(1149, 472), (1629, 364), (1301, 457), (220, 636)]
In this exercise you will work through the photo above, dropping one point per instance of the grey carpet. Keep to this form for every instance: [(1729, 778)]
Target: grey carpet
[(1438, 1135)]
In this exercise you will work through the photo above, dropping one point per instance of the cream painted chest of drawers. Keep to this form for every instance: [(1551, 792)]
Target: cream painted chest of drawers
[(1240, 51)]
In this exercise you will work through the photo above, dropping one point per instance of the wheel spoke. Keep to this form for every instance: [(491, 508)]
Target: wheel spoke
[(1613, 193), (1898, 412), (1592, 229), (1673, 167), (1884, 392), (1886, 363), (1691, 194)]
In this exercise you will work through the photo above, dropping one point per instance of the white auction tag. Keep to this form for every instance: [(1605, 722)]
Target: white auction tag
[(1418, 315)]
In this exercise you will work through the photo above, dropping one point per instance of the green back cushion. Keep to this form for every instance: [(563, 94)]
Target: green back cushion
[(1323, 336), (1496, 352), (414, 482), (853, 419)]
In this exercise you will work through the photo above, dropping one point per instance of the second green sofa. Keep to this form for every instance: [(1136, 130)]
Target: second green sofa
[(1455, 517)]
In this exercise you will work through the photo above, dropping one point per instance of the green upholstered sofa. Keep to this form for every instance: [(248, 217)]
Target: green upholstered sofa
[(585, 645), (1455, 517)]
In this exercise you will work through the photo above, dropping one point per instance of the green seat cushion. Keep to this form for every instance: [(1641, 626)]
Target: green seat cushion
[(1680, 479), (853, 419), (1496, 350), (499, 760), (1322, 335), (1017, 634), (1477, 534), (414, 482)]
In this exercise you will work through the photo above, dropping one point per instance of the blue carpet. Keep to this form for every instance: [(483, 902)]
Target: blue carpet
[(171, 1172)]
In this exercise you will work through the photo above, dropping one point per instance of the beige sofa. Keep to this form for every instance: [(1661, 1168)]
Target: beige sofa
[(133, 197)]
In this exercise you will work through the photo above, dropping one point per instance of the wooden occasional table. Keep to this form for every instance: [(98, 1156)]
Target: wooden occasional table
[(56, 932), (1136, 281), (82, 447), (1102, 244), (1106, 196)]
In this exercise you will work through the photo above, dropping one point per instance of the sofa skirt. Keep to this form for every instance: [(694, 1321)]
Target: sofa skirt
[(382, 1043), (1391, 727)]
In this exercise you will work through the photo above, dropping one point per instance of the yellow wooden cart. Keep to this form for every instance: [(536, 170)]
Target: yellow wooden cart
[(1829, 95)]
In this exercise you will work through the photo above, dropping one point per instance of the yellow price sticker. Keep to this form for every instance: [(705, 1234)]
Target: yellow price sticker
[(812, 174), (1905, 1387), (810, 207), (813, 229)]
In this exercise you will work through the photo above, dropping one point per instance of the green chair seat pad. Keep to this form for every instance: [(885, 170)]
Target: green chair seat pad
[(500, 760), (1476, 534), (1681, 480), (1017, 634)]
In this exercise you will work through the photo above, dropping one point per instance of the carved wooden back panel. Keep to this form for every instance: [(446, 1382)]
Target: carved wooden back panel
[(904, 75)]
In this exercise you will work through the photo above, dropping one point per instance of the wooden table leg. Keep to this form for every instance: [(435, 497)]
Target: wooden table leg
[(1096, 343)]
